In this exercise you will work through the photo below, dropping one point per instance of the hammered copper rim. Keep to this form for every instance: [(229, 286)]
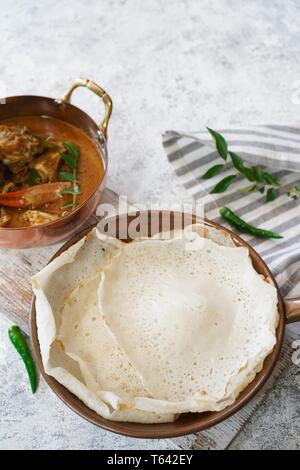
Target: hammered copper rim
[(189, 422)]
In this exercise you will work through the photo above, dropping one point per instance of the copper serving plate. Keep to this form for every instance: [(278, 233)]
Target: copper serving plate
[(61, 108), (289, 311)]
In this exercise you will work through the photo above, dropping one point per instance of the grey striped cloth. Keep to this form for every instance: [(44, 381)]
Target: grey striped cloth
[(277, 148)]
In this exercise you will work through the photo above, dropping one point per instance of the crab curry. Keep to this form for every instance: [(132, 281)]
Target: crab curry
[(47, 168)]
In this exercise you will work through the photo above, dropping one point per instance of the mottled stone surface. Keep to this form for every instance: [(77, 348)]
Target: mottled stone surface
[(276, 425), (168, 65)]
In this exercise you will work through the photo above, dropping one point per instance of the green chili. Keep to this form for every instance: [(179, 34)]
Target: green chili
[(234, 220), (18, 340)]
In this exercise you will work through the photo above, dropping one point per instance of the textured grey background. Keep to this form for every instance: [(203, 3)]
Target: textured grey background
[(168, 65)]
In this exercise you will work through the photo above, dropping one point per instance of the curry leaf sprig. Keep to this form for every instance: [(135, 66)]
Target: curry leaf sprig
[(261, 180), (70, 157), (32, 177)]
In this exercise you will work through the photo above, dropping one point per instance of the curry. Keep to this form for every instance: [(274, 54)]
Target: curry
[(47, 168)]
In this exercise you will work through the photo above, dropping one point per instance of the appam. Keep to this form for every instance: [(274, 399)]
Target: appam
[(84, 346), (192, 316), (76, 346)]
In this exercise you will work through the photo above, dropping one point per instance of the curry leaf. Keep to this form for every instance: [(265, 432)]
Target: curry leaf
[(270, 179), (239, 165), (272, 194), (71, 159), (71, 149), (249, 174), (213, 171), (224, 184), (258, 173), (221, 143), (76, 190), (66, 176), (237, 161), (72, 162), (33, 177)]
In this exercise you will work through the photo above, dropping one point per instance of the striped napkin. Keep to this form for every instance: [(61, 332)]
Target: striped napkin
[(278, 149)]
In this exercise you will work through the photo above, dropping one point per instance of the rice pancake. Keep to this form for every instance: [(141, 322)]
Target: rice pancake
[(144, 331), (193, 317), (77, 348)]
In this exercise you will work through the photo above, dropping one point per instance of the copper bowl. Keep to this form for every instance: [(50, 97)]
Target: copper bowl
[(62, 109), (289, 311)]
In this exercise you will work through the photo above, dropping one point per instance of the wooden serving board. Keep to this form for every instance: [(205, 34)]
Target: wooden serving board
[(17, 266)]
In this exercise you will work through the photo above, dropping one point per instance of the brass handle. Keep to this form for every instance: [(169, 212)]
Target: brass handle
[(292, 309), (84, 82)]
